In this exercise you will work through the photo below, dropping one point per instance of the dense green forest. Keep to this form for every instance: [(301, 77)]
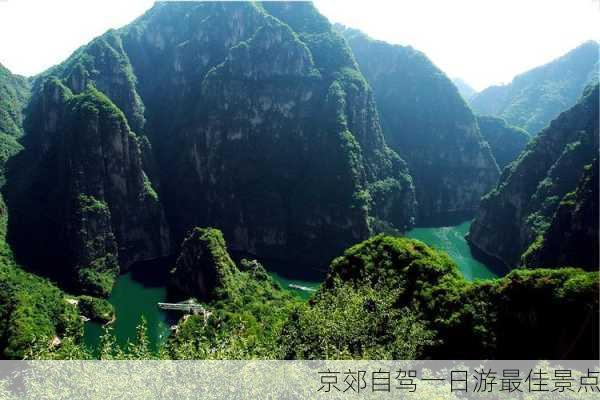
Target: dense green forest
[(238, 138)]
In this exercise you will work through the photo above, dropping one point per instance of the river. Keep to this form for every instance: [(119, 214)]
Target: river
[(137, 293)]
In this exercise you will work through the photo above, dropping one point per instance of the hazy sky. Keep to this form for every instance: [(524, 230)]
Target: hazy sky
[(482, 41)]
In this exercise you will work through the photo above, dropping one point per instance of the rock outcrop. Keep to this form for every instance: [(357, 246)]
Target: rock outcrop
[(506, 141), (203, 265), (517, 213), (81, 203), (572, 237), (538, 96), (427, 122)]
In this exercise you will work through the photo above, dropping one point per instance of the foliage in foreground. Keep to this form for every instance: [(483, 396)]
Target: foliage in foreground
[(386, 298)]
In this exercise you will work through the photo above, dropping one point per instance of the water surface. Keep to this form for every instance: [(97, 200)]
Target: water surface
[(133, 300), (138, 293), (451, 239)]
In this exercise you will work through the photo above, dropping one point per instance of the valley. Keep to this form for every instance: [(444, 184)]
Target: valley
[(320, 193)]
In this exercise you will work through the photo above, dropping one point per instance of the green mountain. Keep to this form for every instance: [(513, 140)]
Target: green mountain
[(427, 122), (249, 117), (506, 141), (34, 313), (14, 93), (572, 237), (295, 140), (81, 203), (465, 90), (516, 215), (536, 97)]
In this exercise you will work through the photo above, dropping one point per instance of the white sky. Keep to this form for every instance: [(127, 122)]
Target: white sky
[(482, 41)]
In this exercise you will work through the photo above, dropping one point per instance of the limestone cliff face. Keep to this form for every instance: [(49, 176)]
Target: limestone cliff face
[(506, 142), (263, 127), (253, 118), (81, 202), (203, 264), (572, 237), (104, 64), (515, 215), (427, 122)]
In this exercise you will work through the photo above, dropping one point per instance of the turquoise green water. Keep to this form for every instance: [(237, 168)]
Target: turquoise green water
[(451, 239), (132, 300), (308, 287)]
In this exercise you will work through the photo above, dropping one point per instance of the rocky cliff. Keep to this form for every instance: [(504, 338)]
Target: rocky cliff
[(572, 237), (517, 213), (506, 142), (249, 117), (203, 264), (538, 96), (427, 122), (80, 202)]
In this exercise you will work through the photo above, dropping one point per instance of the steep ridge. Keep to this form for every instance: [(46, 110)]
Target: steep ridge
[(572, 237), (80, 202), (515, 215), (427, 122), (466, 91), (536, 97), (506, 141), (248, 117), (14, 93), (274, 138)]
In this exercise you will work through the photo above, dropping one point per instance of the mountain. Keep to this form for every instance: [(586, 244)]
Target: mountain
[(536, 97), (572, 237), (515, 216), (506, 141), (252, 118), (465, 90), (14, 93), (428, 123), (34, 313), (80, 203)]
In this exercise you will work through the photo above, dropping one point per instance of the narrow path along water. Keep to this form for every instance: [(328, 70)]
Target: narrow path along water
[(451, 239), (135, 295)]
